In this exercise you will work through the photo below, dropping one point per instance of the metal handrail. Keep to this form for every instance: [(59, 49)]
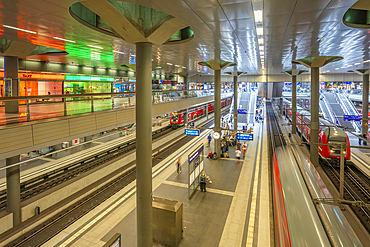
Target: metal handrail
[(84, 95)]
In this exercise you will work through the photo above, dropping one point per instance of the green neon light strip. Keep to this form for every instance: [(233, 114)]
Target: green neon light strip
[(87, 78)]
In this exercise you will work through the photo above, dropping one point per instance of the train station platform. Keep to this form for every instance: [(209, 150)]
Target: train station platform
[(235, 210)]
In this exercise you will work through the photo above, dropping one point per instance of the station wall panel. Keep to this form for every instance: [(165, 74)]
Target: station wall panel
[(49, 131), (15, 138), (82, 124), (126, 115), (105, 119)]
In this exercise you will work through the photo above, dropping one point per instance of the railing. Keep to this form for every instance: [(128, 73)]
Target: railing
[(32, 108)]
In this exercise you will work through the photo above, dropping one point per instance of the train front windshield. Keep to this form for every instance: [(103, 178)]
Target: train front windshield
[(335, 150)]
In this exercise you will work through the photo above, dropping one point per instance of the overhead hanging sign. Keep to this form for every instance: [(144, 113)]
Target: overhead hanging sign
[(245, 137), (356, 118), (87, 78), (242, 111), (191, 132)]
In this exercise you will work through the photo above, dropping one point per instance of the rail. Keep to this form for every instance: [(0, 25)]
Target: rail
[(31, 108)]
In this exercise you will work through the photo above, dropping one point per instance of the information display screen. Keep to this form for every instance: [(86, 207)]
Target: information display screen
[(191, 132), (246, 137)]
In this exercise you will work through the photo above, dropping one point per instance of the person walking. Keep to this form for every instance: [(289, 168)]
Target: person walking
[(359, 140), (365, 138), (244, 149), (178, 165), (209, 137), (238, 145), (237, 154), (203, 182)]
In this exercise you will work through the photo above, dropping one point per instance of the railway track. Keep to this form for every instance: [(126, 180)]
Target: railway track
[(62, 220), (44, 182), (356, 188)]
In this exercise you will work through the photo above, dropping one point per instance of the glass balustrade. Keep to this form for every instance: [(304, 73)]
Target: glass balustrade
[(31, 108)]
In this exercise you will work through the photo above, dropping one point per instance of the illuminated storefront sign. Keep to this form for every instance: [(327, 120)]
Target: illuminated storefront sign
[(87, 78), (37, 76)]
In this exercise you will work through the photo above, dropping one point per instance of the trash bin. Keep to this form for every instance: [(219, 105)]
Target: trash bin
[(167, 221)]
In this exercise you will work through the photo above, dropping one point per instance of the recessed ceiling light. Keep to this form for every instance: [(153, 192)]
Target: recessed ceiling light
[(177, 65), (183, 67), (258, 16), (262, 52), (336, 68), (259, 31), (169, 63), (260, 41), (120, 52), (71, 41), (93, 46), (20, 29), (261, 48)]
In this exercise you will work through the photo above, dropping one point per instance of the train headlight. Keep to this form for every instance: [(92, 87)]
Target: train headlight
[(332, 151)]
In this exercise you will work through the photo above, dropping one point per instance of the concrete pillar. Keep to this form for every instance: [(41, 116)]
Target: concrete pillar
[(13, 190), (144, 213), (294, 104), (217, 110), (207, 111), (11, 72), (314, 125), (365, 104), (186, 80), (235, 102), (186, 116)]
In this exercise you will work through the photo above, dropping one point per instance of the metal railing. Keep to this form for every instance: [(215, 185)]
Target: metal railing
[(32, 108)]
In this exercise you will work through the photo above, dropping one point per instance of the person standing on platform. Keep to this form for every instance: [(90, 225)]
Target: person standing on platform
[(203, 182), (238, 145), (209, 137), (178, 165), (237, 154), (359, 140), (244, 149), (365, 137)]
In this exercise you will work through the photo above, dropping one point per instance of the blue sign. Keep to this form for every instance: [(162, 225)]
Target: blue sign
[(246, 137), (242, 111), (196, 154), (192, 132), (352, 118), (191, 124)]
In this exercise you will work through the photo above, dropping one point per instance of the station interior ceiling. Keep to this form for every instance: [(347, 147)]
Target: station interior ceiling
[(223, 30)]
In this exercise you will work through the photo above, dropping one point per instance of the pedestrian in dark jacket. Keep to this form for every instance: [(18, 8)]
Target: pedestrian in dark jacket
[(203, 182)]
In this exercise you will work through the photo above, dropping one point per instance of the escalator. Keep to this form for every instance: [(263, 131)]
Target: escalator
[(252, 107), (349, 109), (337, 109)]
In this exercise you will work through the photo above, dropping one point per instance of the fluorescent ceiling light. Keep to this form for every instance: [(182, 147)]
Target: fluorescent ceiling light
[(64, 39), (261, 48), (97, 47), (120, 52), (262, 57), (258, 16), (342, 67), (183, 67), (169, 63), (366, 61), (20, 29), (357, 63), (132, 55), (259, 31), (262, 53), (177, 65), (336, 68), (260, 41)]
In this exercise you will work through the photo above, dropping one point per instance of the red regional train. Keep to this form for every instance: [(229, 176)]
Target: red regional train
[(177, 118), (328, 134)]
